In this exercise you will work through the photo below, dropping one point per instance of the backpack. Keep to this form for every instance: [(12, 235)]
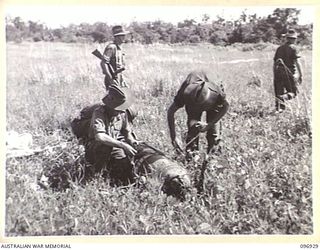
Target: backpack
[(80, 126)]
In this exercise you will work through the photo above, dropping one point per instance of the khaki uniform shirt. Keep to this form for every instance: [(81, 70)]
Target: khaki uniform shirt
[(117, 127), (114, 56), (182, 99)]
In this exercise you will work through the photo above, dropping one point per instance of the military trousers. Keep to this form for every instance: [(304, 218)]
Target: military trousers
[(111, 162), (108, 82), (285, 88), (212, 134)]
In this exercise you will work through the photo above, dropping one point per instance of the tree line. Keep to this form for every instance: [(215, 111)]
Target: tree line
[(246, 29)]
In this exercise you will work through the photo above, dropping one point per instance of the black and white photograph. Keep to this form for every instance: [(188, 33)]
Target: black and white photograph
[(158, 120)]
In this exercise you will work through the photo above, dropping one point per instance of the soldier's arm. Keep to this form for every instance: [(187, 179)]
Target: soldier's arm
[(128, 132), (274, 68), (108, 140), (111, 142), (178, 103), (106, 66), (220, 110), (172, 128), (100, 132), (276, 56), (296, 57), (299, 68)]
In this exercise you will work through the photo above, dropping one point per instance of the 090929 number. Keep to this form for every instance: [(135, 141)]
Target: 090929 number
[(309, 246)]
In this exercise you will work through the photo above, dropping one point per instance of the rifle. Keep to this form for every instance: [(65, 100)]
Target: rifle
[(98, 54), (114, 73)]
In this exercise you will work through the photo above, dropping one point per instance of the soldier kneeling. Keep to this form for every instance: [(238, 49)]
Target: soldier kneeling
[(109, 147)]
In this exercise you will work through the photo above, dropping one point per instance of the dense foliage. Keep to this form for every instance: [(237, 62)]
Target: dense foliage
[(247, 29)]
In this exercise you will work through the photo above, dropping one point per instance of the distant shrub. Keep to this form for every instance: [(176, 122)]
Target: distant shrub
[(218, 38), (69, 38), (98, 36), (194, 39), (36, 38), (255, 46)]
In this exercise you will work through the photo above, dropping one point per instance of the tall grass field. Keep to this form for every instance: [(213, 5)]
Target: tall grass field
[(261, 183)]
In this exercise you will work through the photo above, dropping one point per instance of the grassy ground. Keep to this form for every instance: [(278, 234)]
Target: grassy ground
[(260, 184)]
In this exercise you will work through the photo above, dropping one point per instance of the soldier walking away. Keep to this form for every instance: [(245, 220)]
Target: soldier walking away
[(198, 95), (109, 148), (113, 64), (287, 71)]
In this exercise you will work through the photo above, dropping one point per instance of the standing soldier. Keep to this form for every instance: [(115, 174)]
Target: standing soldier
[(285, 68), (198, 95), (113, 63)]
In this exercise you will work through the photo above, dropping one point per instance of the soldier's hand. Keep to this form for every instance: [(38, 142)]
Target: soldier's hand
[(177, 146), (115, 81), (202, 126), (135, 143), (300, 79), (119, 70), (130, 151)]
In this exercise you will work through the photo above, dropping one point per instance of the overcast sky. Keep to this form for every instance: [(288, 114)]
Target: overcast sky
[(56, 16)]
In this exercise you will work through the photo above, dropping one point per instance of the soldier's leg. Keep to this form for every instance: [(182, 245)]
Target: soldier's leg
[(292, 85), (193, 133), (123, 83), (97, 155), (213, 134), (279, 91), (107, 82), (289, 88), (121, 168)]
